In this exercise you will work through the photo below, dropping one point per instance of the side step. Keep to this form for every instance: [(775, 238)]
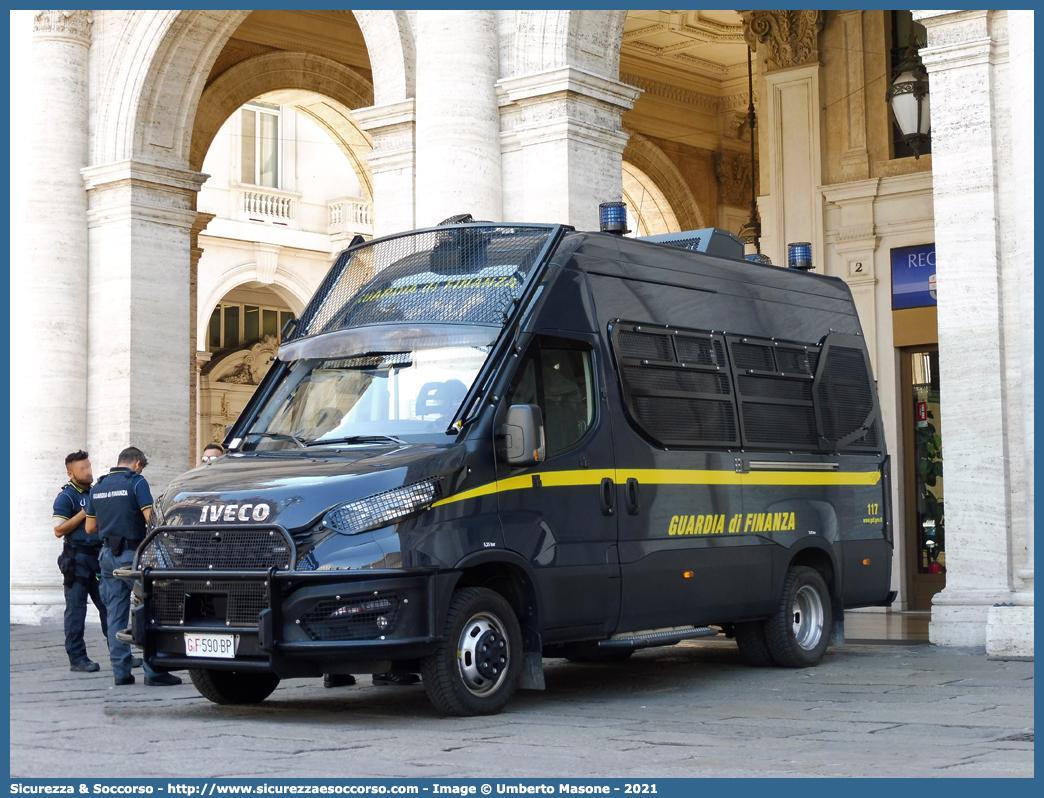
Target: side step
[(662, 637)]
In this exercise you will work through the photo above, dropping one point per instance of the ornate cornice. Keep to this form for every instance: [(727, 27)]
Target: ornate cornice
[(790, 38), (75, 24), (687, 96)]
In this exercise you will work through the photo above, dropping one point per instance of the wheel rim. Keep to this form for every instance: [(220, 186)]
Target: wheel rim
[(483, 654), (807, 618)]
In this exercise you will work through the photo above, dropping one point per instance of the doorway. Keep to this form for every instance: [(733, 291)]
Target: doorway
[(923, 474)]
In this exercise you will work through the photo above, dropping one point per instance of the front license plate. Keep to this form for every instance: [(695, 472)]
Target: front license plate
[(209, 645)]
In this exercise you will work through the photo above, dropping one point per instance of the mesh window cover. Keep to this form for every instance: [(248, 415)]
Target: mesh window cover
[(453, 274), (686, 421), (689, 403), (775, 401), (845, 398), (788, 426)]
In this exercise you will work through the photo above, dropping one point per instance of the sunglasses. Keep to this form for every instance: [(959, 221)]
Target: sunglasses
[(208, 457)]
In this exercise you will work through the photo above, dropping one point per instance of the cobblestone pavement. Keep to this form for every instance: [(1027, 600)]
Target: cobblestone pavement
[(691, 710)]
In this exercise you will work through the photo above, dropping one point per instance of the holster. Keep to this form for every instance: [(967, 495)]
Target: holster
[(115, 544), (67, 564)]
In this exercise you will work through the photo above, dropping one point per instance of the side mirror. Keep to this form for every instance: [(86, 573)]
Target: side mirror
[(523, 435)]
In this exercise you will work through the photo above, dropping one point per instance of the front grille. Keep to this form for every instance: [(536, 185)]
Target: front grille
[(218, 549), (351, 619), (175, 601)]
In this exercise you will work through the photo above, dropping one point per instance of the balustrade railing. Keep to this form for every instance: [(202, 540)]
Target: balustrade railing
[(270, 206), (350, 215)]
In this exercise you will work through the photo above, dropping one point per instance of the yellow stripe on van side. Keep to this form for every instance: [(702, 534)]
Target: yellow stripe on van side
[(653, 476), (666, 476)]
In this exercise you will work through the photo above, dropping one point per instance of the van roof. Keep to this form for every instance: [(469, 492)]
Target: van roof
[(628, 256)]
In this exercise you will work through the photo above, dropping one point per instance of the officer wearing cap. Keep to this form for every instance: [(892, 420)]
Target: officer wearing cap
[(118, 509), (79, 559)]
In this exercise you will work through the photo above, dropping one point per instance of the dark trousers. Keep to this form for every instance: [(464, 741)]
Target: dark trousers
[(76, 614), (116, 593)]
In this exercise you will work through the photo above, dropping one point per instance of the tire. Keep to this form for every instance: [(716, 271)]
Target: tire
[(798, 633), (753, 648), (476, 668), (233, 687)]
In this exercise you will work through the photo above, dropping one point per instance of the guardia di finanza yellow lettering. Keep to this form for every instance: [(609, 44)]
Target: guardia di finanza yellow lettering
[(716, 524)]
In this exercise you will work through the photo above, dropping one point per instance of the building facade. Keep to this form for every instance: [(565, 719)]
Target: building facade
[(175, 205)]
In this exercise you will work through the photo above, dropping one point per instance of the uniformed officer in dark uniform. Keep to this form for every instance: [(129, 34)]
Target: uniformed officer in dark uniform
[(118, 509), (79, 560)]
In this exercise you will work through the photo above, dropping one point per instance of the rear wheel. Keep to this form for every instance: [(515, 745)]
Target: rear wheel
[(754, 650), (798, 633), (476, 668), (232, 687)]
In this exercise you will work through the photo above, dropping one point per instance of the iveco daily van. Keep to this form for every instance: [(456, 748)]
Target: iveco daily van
[(483, 444)]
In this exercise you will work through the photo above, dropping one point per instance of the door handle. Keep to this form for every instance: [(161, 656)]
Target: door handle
[(631, 494), (607, 488)]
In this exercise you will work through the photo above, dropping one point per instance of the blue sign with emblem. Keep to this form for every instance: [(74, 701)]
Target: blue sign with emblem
[(913, 277)]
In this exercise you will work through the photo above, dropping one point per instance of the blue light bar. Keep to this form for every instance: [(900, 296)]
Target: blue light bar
[(612, 217), (799, 256)]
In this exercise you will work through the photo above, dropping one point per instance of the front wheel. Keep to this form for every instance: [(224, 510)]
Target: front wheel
[(476, 668), (798, 633), (231, 687)]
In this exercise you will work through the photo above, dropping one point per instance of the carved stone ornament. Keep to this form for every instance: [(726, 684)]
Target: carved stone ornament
[(791, 37), (246, 366), (69, 23), (733, 173)]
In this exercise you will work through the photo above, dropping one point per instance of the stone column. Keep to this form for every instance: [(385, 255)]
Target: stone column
[(563, 144), (195, 252), (392, 164), (49, 350), (141, 219), (1020, 34), (791, 204), (458, 123), (979, 337)]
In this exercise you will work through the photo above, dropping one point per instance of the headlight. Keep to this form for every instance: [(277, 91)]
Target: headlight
[(381, 509)]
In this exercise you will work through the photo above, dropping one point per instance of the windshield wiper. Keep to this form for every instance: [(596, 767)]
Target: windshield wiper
[(279, 436), (356, 439)]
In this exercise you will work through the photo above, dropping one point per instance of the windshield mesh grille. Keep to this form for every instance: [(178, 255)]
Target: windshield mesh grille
[(467, 274)]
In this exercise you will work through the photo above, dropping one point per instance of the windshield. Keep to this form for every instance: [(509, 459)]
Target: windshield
[(371, 397)]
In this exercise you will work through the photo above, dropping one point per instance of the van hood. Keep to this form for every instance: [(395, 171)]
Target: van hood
[(295, 488)]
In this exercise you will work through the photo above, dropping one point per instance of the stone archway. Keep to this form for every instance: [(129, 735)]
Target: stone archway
[(652, 162), (150, 92), (317, 87), (648, 210)]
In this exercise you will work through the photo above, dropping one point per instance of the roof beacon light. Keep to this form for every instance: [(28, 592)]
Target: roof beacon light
[(612, 218), (799, 256)]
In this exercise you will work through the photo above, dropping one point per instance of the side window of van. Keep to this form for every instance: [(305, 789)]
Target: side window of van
[(556, 375)]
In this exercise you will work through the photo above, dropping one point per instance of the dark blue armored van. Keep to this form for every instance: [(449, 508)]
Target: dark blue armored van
[(484, 444)]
